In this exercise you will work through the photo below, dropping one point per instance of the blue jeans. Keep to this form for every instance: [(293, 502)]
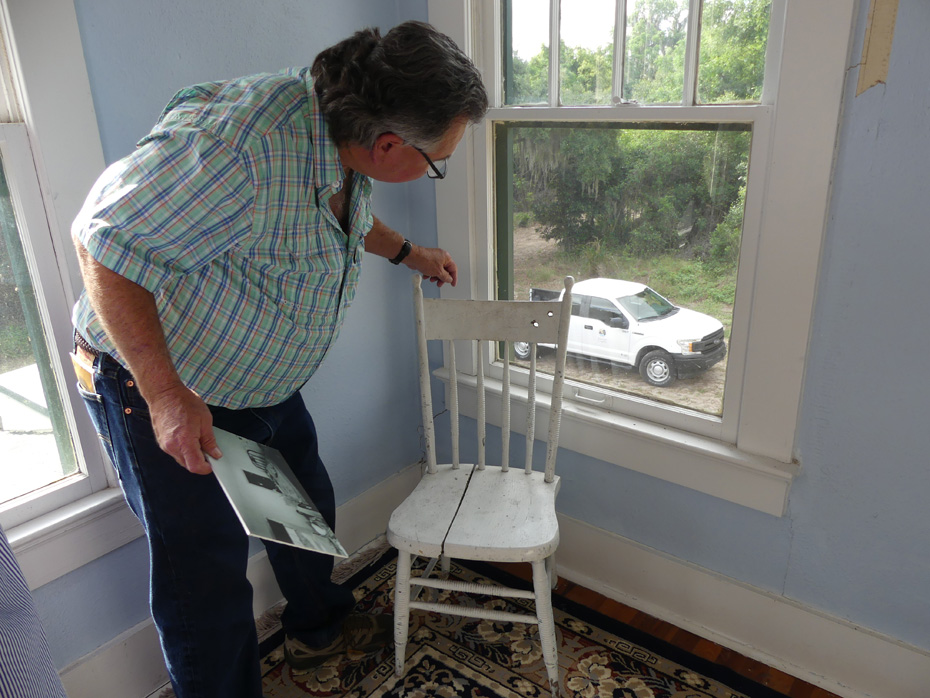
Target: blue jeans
[(200, 598)]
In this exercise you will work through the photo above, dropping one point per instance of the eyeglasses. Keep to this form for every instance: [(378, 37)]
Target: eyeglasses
[(437, 169)]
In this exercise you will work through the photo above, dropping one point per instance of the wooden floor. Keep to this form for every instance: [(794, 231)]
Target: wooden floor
[(711, 651)]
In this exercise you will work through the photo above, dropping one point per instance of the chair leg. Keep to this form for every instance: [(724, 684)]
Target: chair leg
[(401, 610), (542, 589), (446, 566)]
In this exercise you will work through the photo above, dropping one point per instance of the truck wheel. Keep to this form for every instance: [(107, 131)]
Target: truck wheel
[(522, 350), (657, 368)]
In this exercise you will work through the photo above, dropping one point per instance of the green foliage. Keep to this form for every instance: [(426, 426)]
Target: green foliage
[(522, 219), (724, 240), (586, 75), (648, 191), (615, 197), (530, 79), (655, 51), (734, 35)]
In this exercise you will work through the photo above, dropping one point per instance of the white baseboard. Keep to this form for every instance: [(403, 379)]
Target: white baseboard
[(830, 652), (131, 665)]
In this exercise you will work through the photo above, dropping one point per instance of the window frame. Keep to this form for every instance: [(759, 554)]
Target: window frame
[(52, 154), (747, 456), (54, 304)]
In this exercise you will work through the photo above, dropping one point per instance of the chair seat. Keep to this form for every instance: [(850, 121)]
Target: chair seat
[(506, 516), (420, 524)]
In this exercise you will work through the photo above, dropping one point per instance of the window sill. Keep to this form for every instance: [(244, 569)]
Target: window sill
[(68, 538), (697, 462)]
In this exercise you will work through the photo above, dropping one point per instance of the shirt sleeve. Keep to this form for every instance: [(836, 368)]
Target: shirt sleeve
[(180, 200)]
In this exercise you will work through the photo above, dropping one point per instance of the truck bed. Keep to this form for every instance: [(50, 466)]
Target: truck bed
[(543, 294)]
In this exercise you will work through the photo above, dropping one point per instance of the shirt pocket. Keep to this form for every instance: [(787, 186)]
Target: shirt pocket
[(301, 271)]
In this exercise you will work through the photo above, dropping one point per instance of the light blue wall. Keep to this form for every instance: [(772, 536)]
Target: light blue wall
[(138, 53)]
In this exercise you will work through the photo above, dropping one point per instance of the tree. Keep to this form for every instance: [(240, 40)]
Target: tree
[(655, 51), (734, 36), (645, 190)]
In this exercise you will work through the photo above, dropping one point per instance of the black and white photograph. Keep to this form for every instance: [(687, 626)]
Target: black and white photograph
[(268, 499)]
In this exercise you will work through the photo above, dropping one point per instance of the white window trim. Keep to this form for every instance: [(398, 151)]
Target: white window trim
[(753, 462), (64, 526)]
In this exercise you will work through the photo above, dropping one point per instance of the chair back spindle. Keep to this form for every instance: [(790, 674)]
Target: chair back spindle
[(485, 324), (505, 411), (482, 406)]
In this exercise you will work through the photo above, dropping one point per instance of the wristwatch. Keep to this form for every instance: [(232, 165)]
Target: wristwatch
[(404, 251)]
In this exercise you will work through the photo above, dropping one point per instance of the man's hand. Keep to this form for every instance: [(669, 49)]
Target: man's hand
[(434, 263), (183, 427)]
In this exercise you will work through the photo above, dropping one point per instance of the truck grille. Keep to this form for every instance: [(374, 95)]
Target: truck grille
[(709, 343)]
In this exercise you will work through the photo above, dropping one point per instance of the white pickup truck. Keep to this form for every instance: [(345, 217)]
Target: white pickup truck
[(628, 323)]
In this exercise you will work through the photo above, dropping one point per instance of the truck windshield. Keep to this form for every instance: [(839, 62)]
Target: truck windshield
[(647, 305)]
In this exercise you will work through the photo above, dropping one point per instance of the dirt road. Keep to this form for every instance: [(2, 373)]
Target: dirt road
[(702, 392)]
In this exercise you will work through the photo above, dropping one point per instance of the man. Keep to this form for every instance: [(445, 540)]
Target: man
[(219, 259)]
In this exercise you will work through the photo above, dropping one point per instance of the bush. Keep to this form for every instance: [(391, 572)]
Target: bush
[(725, 239)]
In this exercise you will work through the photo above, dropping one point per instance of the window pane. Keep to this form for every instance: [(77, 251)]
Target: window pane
[(654, 67), (654, 213), (34, 438), (734, 34), (526, 31), (587, 51)]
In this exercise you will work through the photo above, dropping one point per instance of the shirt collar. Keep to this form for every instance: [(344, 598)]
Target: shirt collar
[(328, 172)]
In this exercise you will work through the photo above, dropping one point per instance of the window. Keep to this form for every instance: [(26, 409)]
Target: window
[(43, 465), (742, 140), (58, 501), (33, 425)]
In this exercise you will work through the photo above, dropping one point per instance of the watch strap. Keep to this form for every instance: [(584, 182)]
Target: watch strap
[(404, 251)]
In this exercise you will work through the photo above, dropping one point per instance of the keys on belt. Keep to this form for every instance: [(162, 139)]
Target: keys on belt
[(83, 363), (83, 360)]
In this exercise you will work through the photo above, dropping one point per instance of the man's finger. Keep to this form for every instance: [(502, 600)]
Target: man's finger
[(209, 445), (193, 460)]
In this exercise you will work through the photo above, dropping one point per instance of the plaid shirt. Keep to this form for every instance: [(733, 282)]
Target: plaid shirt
[(222, 213)]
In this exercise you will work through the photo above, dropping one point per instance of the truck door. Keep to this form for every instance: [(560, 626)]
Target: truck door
[(606, 331), (575, 327)]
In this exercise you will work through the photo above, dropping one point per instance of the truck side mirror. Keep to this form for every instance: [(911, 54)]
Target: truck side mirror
[(620, 322)]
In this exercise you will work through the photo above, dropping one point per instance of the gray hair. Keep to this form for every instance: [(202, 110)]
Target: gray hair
[(414, 82)]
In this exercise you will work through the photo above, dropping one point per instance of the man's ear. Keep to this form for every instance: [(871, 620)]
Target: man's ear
[(384, 145)]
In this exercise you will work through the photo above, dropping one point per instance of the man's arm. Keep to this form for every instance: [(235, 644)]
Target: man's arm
[(435, 264), (182, 422)]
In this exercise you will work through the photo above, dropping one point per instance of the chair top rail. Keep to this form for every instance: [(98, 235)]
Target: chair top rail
[(512, 321)]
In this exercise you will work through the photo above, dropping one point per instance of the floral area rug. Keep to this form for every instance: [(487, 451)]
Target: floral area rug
[(452, 657)]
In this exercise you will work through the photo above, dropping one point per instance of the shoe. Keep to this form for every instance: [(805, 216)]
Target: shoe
[(302, 658), (366, 634)]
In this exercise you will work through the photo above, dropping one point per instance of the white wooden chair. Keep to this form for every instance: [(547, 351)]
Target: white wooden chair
[(479, 511)]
